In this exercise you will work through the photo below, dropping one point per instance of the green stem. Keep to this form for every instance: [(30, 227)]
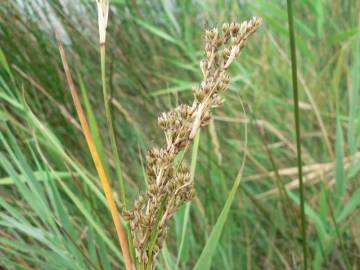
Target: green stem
[(155, 233), (297, 126), (114, 148)]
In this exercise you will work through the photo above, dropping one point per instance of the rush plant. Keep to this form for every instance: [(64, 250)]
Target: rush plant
[(169, 182)]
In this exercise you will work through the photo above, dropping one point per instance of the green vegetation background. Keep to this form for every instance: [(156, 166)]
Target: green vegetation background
[(53, 214)]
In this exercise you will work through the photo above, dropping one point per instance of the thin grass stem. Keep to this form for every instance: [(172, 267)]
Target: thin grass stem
[(297, 127), (109, 121)]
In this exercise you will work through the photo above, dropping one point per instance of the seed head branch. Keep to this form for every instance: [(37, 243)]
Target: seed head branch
[(169, 183)]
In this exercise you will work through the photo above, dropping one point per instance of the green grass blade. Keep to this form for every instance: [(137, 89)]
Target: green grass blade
[(340, 171), (4, 63), (205, 259), (313, 216), (319, 7), (350, 207), (110, 126), (92, 122), (156, 31), (354, 101), (188, 205), (170, 14), (39, 176)]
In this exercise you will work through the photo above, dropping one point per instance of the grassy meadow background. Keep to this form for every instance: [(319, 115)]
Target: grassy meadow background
[(53, 214)]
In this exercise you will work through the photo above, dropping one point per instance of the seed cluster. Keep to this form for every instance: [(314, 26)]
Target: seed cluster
[(169, 182)]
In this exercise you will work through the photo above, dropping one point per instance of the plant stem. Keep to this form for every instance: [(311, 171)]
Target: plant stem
[(297, 126), (111, 127), (97, 160), (113, 141)]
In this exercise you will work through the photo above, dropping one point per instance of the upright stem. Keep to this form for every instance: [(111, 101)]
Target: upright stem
[(297, 126), (98, 162), (110, 126)]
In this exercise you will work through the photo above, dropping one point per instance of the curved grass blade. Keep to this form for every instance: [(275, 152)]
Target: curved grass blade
[(205, 259)]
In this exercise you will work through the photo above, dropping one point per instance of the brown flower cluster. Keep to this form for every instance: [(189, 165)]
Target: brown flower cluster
[(169, 182)]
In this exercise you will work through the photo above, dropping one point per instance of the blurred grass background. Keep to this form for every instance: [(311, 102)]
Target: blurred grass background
[(53, 214)]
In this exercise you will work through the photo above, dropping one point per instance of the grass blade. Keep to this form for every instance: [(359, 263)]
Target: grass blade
[(97, 160), (352, 204), (340, 171), (187, 207), (354, 100), (156, 31), (205, 259), (39, 176)]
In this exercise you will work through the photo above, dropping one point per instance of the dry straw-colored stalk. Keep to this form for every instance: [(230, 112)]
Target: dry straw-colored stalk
[(103, 15), (169, 182), (98, 163)]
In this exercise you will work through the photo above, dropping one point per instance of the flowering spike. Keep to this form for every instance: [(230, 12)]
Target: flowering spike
[(169, 181)]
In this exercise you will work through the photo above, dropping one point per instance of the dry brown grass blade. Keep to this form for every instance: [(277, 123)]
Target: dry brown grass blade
[(215, 141), (98, 163), (311, 100), (291, 171), (270, 128), (120, 108), (314, 173)]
